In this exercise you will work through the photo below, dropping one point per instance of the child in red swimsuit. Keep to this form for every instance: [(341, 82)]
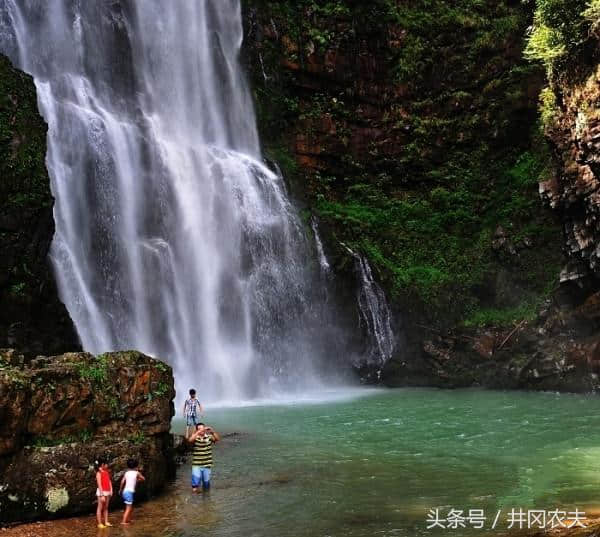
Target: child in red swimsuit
[(103, 492)]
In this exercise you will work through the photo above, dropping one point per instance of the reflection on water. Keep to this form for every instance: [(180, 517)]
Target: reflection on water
[(375, 465)]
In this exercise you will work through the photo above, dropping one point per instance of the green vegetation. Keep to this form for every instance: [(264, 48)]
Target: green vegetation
[(96, 372), (560, 32), (564, 40), (138, 438), (116, 409), (435, 32), (13, 375), (501, 318), (592, 14), (18, 289), (467, 161), (439, 243), (161, 366), (548, 107), (161, 389)]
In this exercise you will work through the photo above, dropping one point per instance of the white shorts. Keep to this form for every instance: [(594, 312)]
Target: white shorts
[(103, 493)]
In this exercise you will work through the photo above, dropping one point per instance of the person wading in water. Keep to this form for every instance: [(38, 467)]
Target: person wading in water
[(203, 439)]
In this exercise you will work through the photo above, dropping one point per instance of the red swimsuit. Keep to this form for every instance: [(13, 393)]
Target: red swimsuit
[(104, 480)]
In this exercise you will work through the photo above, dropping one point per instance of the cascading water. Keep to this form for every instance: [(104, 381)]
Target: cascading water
[(323, 263), (374, 313), (171, 235)]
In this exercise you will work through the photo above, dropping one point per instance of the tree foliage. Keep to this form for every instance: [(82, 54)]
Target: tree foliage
[(560, 31)]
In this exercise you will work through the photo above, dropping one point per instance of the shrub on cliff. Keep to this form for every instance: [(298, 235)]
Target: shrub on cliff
[(561, 32)]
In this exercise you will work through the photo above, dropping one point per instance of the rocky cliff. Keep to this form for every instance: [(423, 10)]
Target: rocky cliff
[(32, 318), (411, 131), (571, 112), (58, 414), (558, 346)]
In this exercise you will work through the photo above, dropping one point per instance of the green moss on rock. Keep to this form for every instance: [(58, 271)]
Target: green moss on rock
[(32, 317)]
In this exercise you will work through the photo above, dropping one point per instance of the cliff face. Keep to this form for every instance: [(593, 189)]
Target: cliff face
[(573, 189), (409, 130), (32, 318), (59, 414)]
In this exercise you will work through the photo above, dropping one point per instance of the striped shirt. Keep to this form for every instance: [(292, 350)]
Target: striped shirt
[(202, 455)]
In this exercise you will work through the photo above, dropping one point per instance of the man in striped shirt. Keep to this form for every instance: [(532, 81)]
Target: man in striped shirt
[(203, 439)]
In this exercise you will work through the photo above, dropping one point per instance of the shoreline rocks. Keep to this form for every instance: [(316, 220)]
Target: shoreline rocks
[(59, 414), (557, 350)]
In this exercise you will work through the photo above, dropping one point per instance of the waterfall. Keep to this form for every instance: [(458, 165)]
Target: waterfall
[(374, 312), (323, 263), (172, 237)]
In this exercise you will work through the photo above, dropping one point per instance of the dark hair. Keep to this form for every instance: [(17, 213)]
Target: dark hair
[(192, 392), (198, 425), (99, 462), (132, 463)]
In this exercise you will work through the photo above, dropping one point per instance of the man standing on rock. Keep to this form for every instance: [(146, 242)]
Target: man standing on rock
[(191, 410), (203, 439)]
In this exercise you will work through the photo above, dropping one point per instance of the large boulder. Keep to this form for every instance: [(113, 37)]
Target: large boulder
[(59, 414)]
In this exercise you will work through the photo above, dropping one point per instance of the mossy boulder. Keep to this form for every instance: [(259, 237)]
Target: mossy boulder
[(59, 413)]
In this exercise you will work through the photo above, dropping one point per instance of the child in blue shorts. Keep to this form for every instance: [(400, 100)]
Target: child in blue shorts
[(127, 489), (192, 409)]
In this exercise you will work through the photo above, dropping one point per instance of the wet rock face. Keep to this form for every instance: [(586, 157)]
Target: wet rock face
[(347, 92), (32, 317), (558, 350), (59, 414), (332, 103), (573, 190)]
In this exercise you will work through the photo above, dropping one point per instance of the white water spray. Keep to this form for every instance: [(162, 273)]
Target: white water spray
[(171, 236)]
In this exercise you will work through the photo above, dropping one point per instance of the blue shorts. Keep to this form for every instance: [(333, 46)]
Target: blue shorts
[(200, 477), (127, 497), (192, 421)]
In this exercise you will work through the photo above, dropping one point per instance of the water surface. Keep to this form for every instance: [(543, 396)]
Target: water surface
[(375, 465)]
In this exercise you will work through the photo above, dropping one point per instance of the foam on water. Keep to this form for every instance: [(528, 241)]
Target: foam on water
[(308, 397)]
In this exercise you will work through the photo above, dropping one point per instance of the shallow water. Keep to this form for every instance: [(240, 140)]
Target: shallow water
[(375, 464)]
